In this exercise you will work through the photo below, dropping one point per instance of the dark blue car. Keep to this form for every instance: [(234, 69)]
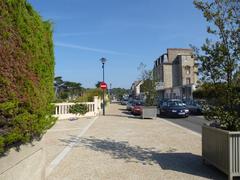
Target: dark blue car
[(174, 108)]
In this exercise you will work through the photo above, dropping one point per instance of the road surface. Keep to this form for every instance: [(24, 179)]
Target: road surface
[(193, 123)]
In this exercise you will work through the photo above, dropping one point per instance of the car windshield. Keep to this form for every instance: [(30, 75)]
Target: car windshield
[(138, 103), (175, 103)]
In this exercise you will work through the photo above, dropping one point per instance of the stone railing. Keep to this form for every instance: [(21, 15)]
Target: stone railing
[(62, 109)]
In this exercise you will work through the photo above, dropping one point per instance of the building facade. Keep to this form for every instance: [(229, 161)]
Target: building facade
[(136, 88), (176, 73)]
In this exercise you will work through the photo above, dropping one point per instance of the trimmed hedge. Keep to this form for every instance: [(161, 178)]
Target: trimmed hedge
[(26, 73), (79, 109)]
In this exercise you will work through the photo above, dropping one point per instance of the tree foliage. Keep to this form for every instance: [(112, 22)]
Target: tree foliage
[(236, 78), (98, 84), (119, 92), (220, 58), (149, 85), (26, 73), (88, 95), (67, 90)]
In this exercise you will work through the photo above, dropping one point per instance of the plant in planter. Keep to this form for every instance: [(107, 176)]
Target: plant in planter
[(219, 64), (148, 87), (78, 109)]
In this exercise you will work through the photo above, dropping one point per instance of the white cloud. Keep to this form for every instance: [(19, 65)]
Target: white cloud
[(74, 46), (72, 34)]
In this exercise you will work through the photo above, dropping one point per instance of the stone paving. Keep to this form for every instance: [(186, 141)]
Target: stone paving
[(120, 146)]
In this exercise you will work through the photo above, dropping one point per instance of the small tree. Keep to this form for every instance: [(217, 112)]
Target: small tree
[(149, 85), (220, 58)]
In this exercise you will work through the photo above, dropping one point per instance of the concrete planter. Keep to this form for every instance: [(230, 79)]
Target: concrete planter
[(149, 112), (222, 149)]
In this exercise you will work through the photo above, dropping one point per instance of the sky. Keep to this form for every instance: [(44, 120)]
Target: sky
[(125, 32)]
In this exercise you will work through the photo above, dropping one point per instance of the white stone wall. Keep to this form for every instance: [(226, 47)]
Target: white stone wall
[(62, 109)]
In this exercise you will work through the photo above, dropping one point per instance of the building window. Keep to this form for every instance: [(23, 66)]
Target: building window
[(188, 70), (188, 81)]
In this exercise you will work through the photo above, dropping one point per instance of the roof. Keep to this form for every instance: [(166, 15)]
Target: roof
[(184, 49)]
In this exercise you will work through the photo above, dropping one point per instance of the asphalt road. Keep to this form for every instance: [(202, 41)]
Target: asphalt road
[(193, 123)]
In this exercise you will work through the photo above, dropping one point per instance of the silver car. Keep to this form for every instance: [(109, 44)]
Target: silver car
[(129, 105)]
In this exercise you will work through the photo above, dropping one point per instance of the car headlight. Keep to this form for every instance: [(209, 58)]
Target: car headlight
[(174, 111), (186, 110)]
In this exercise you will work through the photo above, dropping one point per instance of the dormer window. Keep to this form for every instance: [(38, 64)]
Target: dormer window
[(165, 58), (188, 70)]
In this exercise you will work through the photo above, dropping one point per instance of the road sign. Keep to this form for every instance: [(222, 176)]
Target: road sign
[(103, 85)]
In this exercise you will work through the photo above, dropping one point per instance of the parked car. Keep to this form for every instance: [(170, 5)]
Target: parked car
[(174, 108), (137, 108), (159, 104), (194, 106), (130, 105), (124, 102), (161, 101)]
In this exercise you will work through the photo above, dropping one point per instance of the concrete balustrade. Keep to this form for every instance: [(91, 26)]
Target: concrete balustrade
[(62, 109)]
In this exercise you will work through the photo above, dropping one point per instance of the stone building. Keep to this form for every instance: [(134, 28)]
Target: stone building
[(136, 88), (176, 73)]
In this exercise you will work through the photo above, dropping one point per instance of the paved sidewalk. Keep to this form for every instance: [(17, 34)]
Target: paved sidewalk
[(120, 146)]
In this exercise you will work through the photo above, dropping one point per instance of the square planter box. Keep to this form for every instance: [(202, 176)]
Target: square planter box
[(222, 149), (149, 112)]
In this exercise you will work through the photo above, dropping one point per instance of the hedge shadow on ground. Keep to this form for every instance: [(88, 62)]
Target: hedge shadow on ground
[(168, 160)]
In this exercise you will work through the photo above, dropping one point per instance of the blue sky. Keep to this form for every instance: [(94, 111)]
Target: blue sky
[(126, 32)]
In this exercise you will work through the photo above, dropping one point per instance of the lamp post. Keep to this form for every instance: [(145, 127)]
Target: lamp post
[(110, 93), (103, 61)]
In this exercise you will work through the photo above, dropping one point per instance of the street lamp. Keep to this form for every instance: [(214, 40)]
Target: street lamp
[(103, 61), (110, 93)]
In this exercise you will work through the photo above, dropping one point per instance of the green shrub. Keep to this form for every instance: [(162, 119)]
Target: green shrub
[(1, 145), (78, 109), (26, 73), (219, 110)]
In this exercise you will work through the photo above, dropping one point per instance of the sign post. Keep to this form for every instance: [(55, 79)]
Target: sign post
[(103, 86)]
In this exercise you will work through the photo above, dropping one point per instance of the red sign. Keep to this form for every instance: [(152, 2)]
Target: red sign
[(103, 85)]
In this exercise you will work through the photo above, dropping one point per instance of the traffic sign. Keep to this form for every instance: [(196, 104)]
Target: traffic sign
[(103, 85)]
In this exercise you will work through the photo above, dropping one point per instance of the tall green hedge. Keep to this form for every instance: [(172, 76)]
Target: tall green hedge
[(26, 73)]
